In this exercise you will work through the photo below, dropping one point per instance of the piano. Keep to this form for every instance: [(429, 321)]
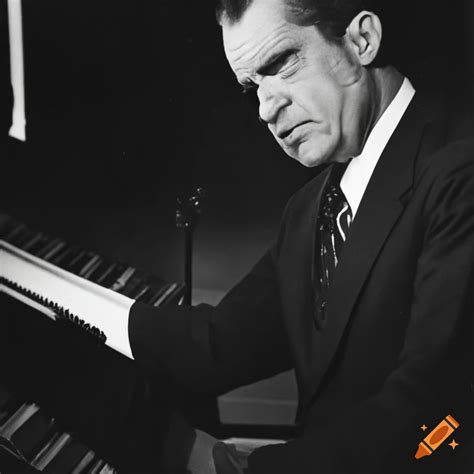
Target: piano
[(63, 315)]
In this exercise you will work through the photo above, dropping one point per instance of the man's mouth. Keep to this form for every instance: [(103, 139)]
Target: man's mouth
[(287, 132)]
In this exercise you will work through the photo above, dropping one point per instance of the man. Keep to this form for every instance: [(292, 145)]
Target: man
[(367, 291)]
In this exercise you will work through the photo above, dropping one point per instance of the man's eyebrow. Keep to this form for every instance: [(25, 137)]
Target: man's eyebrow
[(265, 62)]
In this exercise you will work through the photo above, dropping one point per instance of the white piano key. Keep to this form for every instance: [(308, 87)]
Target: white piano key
[(107, 470), (50, 451), (160, 300), (123, 279), (51, 253), (90, 266), (83, 463)]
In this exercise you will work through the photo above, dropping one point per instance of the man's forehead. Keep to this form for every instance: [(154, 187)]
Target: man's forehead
[(262, 26)]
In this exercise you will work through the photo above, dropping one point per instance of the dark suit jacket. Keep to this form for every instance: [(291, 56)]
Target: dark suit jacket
[(395, 350)]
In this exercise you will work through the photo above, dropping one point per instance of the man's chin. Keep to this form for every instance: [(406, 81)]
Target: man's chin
[(309, 156)]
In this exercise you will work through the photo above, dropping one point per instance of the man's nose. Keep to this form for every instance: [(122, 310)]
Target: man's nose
[(272, 99)]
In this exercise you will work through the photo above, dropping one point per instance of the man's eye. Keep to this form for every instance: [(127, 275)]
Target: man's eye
[(292, 64), (281, 63), (276, 66)]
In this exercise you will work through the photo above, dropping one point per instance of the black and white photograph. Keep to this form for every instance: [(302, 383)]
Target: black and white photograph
[(236, 237)]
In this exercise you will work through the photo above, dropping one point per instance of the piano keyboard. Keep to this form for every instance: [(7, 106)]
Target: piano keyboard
[(73, 285), (77, 288), (35, 440)]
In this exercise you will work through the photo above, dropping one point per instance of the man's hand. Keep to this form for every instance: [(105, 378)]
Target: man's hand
[(228, 460)]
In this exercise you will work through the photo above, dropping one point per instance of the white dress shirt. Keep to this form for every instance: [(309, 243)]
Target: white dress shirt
[(360, 169)]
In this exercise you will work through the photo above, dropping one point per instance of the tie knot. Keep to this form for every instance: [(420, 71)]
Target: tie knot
[(334, 200)]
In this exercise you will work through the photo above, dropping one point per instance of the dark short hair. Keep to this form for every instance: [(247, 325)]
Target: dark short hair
[(331, 16)]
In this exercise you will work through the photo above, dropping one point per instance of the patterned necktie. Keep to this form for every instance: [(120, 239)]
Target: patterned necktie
[(334, 220)]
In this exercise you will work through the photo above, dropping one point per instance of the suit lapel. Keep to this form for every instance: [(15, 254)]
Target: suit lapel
[(378, 212), (297, 257)]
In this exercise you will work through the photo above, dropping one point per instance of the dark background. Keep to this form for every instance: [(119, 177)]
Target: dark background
[(131, 104)]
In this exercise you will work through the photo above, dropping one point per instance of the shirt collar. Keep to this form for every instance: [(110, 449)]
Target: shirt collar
[(359, 170)]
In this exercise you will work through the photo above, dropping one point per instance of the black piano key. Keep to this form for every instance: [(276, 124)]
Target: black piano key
[(154, 293), (50, 249), (161, 301), (45, 241), (66, 256), (80, 256), (16, 229), (23, 237), (67, 458), (103, 272), (90, 267), (108, 469), (154, 282), (138, 291), (96, 466), (131, 285), (113, 276), (158, 294), (145, 295), (141, 292), (61, 255), (46, 245), (35, 243), (81, 262), (175, 296)]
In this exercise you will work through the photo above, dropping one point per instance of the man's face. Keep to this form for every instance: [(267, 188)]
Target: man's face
[(311, 91)]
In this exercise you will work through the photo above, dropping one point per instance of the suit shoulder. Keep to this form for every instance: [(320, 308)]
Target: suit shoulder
[(446, 179), (452, 159)]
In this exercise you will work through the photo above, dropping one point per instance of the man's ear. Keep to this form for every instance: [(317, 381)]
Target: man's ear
[(364, 36)]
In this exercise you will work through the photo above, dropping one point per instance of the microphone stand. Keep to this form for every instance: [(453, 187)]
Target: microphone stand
[(187, 216)]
